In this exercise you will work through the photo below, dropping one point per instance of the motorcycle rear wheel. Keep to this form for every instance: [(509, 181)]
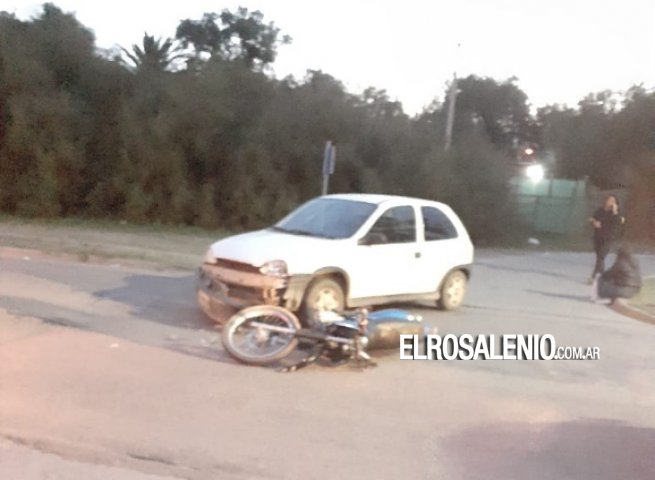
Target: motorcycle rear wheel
[(257, 345)]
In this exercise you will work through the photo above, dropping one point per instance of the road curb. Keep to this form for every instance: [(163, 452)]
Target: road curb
[(633, 313)]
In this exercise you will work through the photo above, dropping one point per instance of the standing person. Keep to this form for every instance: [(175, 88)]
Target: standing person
[(607, 223)]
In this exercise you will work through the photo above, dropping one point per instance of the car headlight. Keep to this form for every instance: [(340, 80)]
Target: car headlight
[(276, 268), (209, 257)]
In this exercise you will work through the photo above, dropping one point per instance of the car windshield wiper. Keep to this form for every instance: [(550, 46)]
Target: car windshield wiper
[(304, 232), (292, 231)]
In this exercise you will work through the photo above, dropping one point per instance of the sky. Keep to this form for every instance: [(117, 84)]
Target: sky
[(559, 50)]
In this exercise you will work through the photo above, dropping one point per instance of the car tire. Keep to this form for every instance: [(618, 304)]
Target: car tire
[(453, 290), (323, 293)]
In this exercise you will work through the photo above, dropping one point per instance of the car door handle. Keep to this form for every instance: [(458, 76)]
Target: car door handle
[(417, 255)]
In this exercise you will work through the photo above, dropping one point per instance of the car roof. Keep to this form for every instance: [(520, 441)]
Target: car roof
[(380, 198)]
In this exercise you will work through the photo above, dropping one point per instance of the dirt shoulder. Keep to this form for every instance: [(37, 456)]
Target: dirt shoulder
[(102, 242), (645, 300)]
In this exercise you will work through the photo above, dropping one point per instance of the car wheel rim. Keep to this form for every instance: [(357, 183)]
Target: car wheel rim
[(455, 291), (327, 299)]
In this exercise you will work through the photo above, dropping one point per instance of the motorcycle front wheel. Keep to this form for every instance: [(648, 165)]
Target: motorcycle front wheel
[(261, 335)]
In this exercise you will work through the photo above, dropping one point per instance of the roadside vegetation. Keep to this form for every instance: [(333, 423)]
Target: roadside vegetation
[(157, 245), (194, 130)]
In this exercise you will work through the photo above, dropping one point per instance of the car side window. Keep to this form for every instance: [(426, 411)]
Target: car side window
[(437, 224), (396, 225)]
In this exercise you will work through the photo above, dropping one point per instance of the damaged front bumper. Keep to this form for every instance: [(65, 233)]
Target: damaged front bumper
[(217, 286)]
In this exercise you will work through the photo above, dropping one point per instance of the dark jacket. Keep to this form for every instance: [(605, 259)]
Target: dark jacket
[(611, 225), (624, 273)]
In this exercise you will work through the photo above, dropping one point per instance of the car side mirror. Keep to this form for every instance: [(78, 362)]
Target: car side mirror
[(373, 238)]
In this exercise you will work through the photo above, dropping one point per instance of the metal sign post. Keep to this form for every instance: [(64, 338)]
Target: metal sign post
[(329, 158)]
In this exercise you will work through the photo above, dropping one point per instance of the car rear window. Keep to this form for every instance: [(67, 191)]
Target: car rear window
[(437, 224)]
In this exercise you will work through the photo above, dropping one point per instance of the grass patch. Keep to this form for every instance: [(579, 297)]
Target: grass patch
[(165, 245), (645, 300)]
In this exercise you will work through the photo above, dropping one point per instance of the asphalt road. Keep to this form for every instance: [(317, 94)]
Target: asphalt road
[(112, 372)]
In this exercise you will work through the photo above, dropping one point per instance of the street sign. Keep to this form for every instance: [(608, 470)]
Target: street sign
[(329, 157)]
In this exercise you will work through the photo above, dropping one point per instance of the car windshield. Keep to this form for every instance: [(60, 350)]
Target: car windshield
[(326, 218)]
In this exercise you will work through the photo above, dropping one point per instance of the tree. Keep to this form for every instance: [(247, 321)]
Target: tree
[(154, 55), (603, 139), (42, 89), (497, 109), (233, 36)]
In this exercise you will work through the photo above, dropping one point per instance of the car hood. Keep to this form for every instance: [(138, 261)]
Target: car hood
[(257, 248)]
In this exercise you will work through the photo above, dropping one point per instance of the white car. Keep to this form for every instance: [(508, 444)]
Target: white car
[(343, 251)]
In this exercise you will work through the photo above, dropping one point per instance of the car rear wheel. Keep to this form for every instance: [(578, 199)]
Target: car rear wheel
[(323, 293), (453, 290)]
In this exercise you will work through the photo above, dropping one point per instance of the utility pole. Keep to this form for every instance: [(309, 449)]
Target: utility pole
[(452, 95)]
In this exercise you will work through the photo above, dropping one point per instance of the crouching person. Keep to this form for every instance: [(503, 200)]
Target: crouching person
[(622, 280)]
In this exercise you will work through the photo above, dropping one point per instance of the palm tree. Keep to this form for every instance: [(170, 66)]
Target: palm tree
[(154, 55)]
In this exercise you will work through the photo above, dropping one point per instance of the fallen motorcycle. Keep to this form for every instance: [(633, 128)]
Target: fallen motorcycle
[(267, 334)]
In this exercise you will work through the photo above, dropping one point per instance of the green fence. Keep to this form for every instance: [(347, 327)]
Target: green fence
[(553, 205)]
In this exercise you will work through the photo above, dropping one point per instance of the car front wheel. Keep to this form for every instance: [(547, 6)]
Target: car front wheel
[(322, 294), (453, 290)]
